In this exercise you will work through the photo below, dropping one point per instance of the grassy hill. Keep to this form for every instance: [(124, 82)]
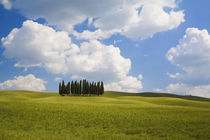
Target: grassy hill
[(115, 115)]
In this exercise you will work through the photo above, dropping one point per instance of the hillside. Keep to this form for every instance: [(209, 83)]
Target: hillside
[(115, 115)]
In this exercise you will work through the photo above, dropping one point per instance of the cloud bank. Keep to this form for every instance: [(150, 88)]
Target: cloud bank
[(136, 19)]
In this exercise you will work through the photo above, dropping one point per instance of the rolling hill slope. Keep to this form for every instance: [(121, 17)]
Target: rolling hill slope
[(115, 115)]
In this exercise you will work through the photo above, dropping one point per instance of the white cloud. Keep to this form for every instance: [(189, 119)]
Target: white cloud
[(153, 19), (28, 82), (111, 16), (180, 88), (90, 21), (140, 76), (58, 79), (6, 3), (157, 90), (128, 84), (38, 45), (98, 34), (173, 75), (192, 55)]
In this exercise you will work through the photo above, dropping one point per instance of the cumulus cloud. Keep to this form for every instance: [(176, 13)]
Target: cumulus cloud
[(129, 84), (153, 18), (28, 82), (137, 19), (192, 55), (38, 45)]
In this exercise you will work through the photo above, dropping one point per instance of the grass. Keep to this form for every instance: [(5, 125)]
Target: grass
[(41, 115)]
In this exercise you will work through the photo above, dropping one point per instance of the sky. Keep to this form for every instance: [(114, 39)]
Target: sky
[(131, 45)]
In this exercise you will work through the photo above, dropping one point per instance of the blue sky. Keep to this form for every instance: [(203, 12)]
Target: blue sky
[(134, 46)]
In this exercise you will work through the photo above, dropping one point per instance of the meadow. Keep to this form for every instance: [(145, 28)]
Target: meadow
[(113, 116)]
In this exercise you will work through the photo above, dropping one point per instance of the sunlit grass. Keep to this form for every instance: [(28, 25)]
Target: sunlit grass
[(36, 115)]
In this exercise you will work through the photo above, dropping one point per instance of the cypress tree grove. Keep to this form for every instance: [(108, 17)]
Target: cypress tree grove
[(83, 87)]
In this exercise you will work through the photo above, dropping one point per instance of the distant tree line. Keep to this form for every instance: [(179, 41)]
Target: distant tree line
[(81, 88)]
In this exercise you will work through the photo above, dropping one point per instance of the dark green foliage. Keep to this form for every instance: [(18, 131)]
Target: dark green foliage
[(81, 88), (63, 88), (87, 88), (75, 87), (72, 87), (68, 89), (98, 88), (102, 88), (91, 88), (95, 89), (60, 89)]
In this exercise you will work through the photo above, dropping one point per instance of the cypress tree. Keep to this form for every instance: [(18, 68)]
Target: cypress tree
[(80, 87), (99, 87), (60, 92), (90, 88), (102, 88), (72, 87), (75, 88), (87, 88), (63, 87), (68, 89), (95, 90), (83, 87)]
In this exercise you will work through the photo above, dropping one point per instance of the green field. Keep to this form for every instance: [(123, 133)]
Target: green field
[(41, 115)]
